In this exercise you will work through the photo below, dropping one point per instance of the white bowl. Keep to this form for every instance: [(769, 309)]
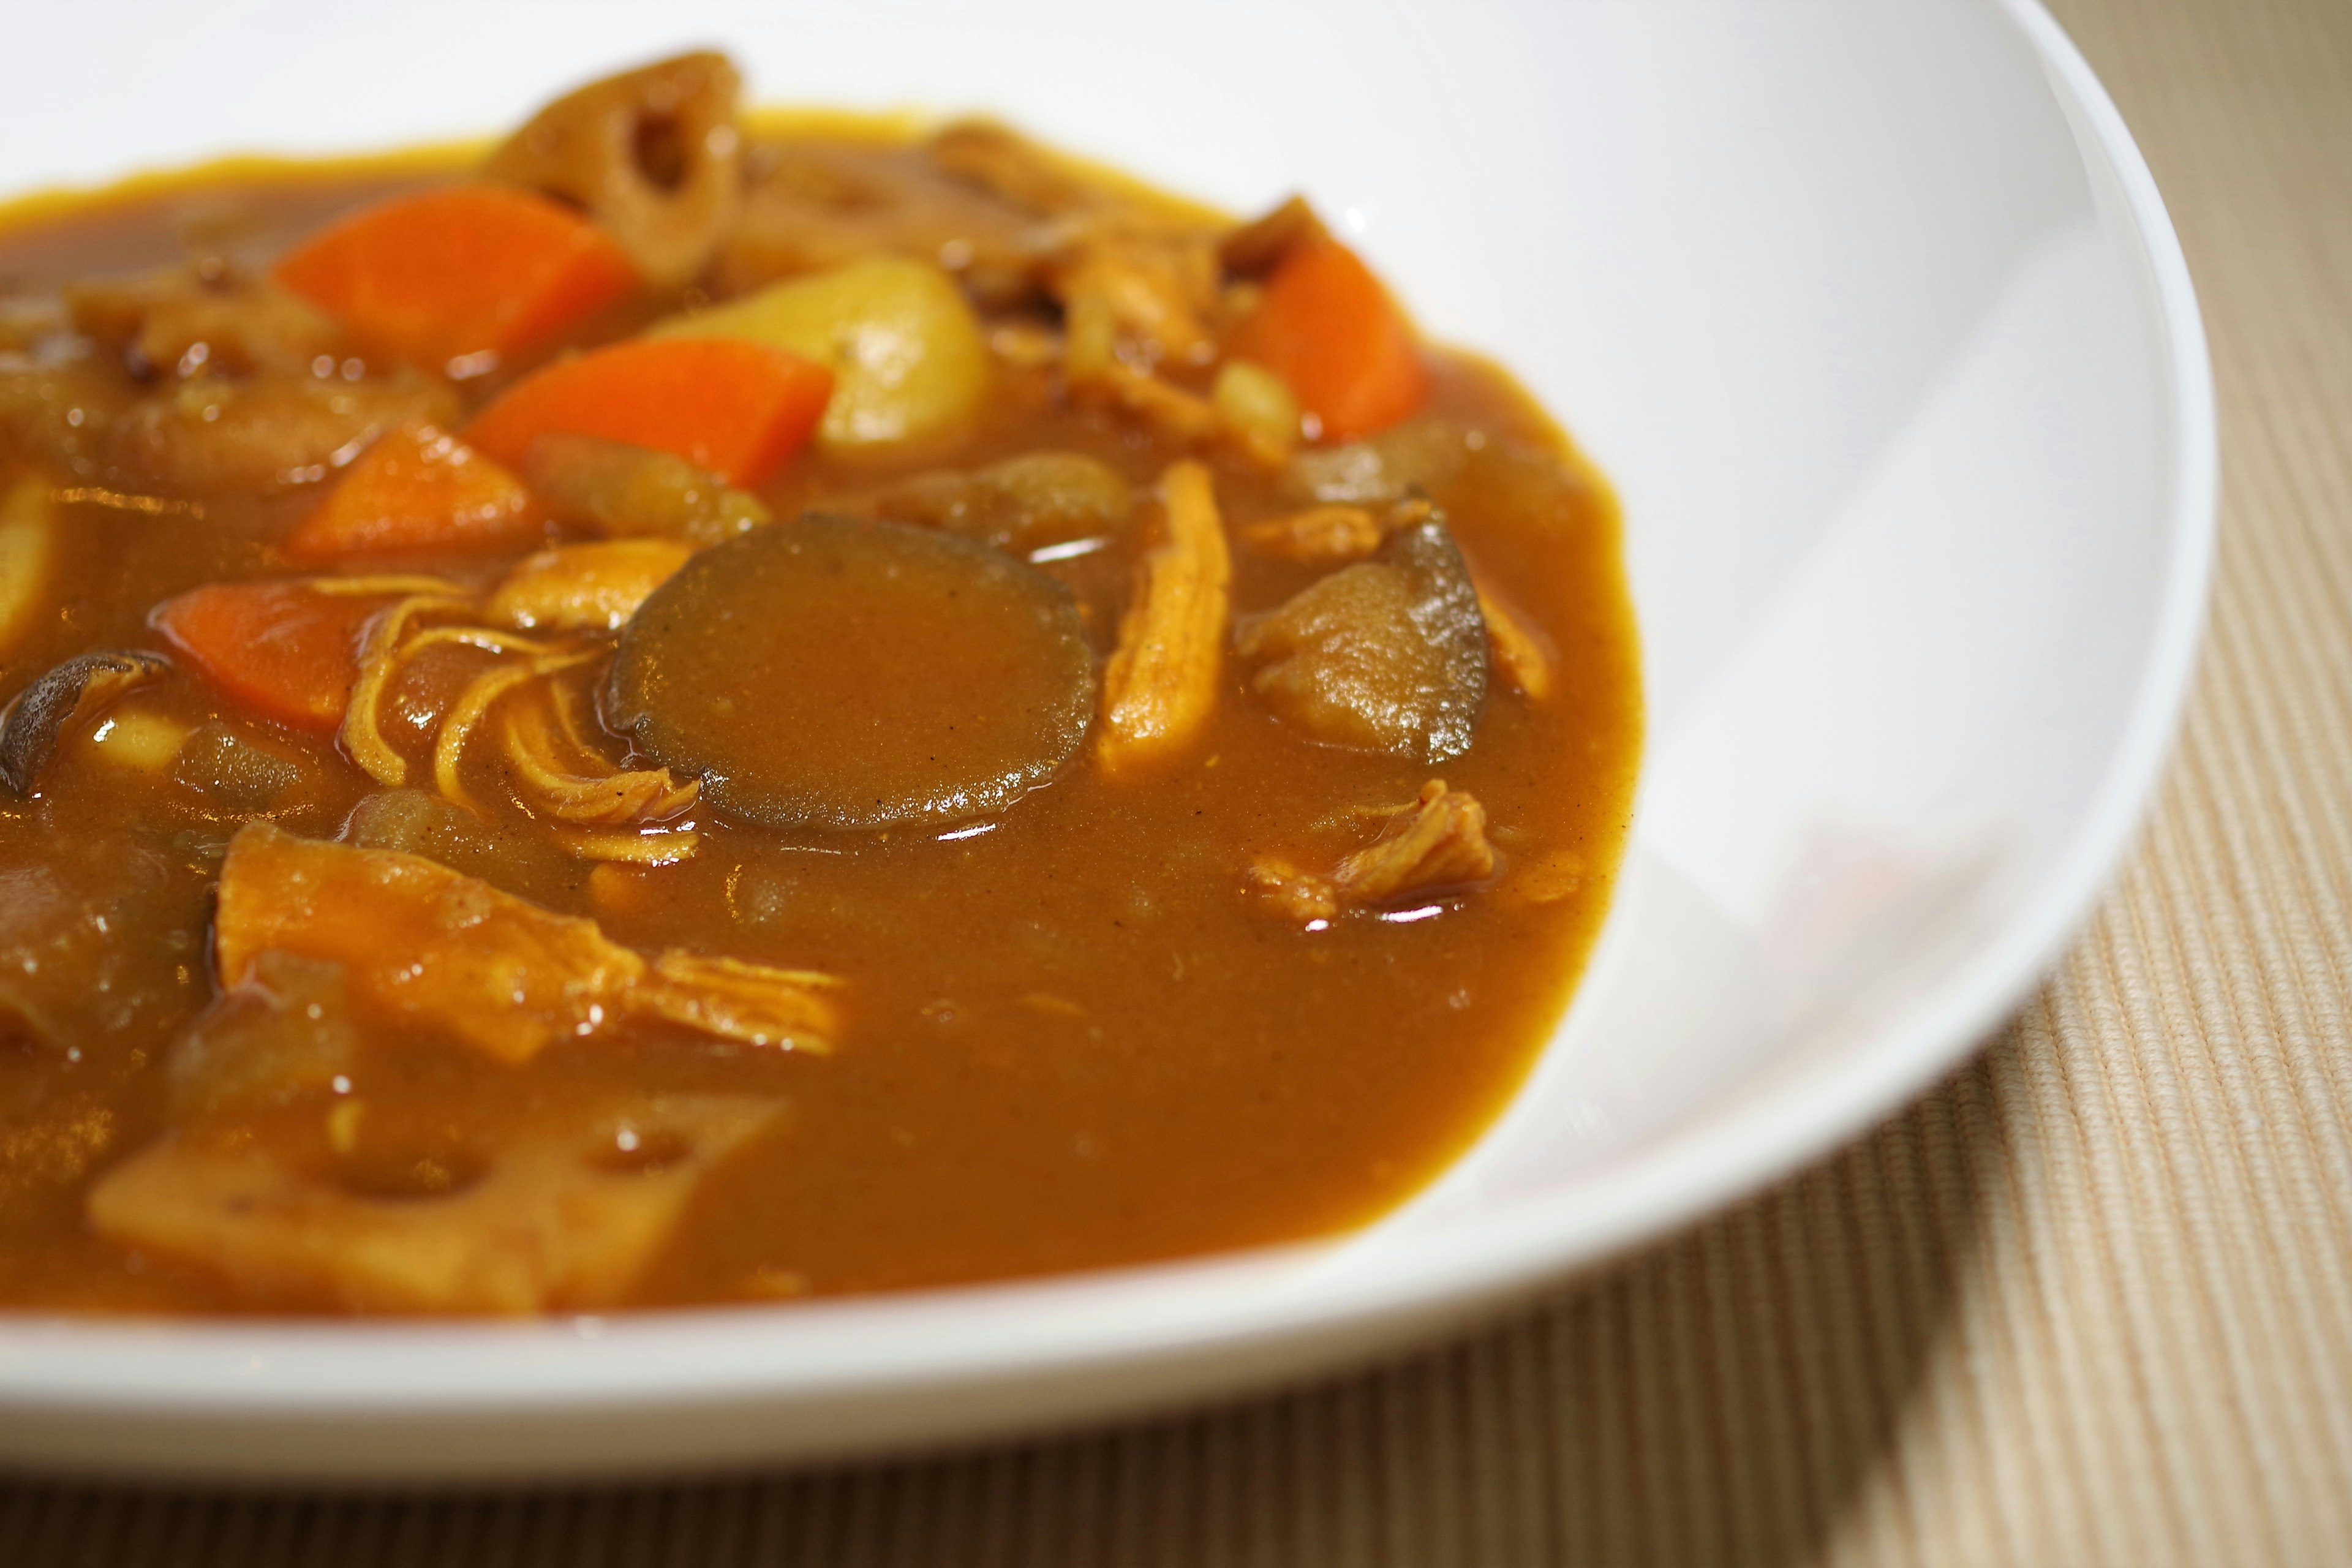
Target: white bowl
[(1873, 315)]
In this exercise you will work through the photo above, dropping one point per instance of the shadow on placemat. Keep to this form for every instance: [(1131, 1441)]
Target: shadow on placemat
[(1722, 1400)]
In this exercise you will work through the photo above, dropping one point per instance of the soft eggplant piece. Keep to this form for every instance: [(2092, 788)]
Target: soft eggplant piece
[(652, 154), (1024, 503), (1389, 654), (854, 674), (77, 689), (626, 490)]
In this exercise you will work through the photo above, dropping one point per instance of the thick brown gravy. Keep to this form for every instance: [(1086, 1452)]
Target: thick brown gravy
[(1071, 1036)]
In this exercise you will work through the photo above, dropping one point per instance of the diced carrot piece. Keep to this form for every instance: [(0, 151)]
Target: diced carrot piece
[(418, 489), (1327, 328), (738, 409), (470, 269), (284, 649)]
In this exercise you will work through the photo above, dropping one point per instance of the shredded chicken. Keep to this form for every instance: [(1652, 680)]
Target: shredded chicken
[(1321, 535), (1438, 843), (1155, 284), (502, 975), (1009, 167), (736, 1001), (1521, 652), (1161, 685), (1442, 843)]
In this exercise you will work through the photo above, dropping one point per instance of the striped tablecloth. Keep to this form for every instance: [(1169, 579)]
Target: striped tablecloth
[(2089, 1302)]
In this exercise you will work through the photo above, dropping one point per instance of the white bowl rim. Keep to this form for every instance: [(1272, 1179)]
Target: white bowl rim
[(710, 1357)]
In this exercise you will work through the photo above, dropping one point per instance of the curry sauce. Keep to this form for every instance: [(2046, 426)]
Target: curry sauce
[(489, 981)]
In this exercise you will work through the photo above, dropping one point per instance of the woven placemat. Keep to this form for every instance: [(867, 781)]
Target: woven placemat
[(2089, 1302)]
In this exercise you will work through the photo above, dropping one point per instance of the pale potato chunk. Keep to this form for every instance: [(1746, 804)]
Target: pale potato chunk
[(906, 351)]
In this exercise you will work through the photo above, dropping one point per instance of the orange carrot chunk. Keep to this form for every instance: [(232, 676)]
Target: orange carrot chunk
[(738, 409), (284, 649), (1327, 328), (418, 489), (466, 271)]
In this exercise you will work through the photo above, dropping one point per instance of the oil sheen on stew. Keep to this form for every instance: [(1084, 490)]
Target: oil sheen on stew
[(713, 709)]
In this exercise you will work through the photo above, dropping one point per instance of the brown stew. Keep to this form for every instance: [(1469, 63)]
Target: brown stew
[(704, 710)]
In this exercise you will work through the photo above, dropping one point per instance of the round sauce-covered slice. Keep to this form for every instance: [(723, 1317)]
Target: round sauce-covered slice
[(844, 674)]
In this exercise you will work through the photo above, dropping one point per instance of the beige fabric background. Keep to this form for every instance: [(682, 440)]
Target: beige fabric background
[(2089, 1302)]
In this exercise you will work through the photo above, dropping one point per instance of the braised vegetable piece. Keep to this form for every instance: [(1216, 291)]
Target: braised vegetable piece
[(544, 1222), (1161, 684), (614, 488), (903, 345), (1258, 410), (284, 1031), (429, 946), (288, 651), (1389, 654), (739, 409), (418, 489), (214, 436), (205, 319), (1024, 503), (238, 773), (68, 696), (512, 857), (653, 155), (1330, 331), (844, 674), (1256, 248), (580, 587), (441, 276)]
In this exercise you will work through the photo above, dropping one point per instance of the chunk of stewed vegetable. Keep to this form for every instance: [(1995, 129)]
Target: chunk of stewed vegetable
[(1030, 502), (850, 675), (1389, 654), (901, 340)]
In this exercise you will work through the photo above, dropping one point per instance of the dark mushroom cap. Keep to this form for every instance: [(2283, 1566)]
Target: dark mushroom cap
[(77, 689)]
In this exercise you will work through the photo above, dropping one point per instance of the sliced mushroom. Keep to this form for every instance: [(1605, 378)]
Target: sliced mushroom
[(73, 691), (653, 155), (851, 675), (1389, 654)]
